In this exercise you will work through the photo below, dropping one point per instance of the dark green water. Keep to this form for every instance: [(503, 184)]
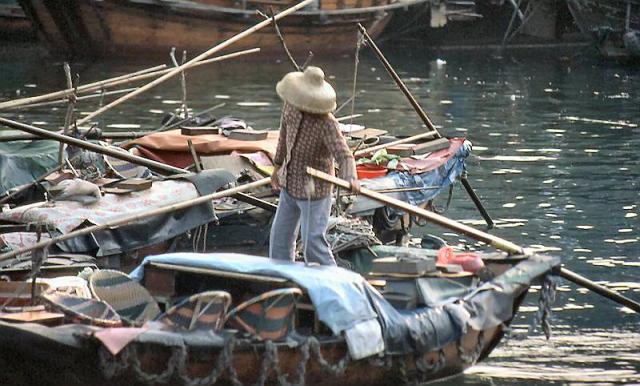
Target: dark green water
[(555, 161)]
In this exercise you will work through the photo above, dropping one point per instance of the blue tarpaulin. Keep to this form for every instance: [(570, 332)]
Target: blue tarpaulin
[(339, 295), (433, 181)]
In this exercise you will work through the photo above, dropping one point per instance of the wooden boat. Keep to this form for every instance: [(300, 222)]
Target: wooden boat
[(420, 344), (14, 24), (243, 225), (128, 27), (612, 25)]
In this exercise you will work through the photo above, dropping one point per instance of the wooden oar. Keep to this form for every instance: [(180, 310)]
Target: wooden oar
[(399, 82), (196, 59), (116, 135), (137, 217), (486, 238), (425, 119)]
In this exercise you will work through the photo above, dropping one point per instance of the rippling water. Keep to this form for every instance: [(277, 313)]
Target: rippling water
[(555, 161)]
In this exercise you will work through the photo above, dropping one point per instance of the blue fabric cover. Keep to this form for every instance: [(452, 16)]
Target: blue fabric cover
[(343, 298), (339, 295), (441, 177)]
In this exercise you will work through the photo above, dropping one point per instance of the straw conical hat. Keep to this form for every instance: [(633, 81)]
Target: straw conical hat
[(307, 91)]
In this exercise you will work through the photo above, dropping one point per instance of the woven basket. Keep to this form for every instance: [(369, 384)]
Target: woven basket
[(203, 311), (129, 299), (81, 310)]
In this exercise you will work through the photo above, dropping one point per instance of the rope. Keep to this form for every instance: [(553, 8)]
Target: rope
[(355, 74), (224, 361), (438, 210), (177, 365), (471, 357), (150, 378), (426, 368), (359, 44), (547, 298)]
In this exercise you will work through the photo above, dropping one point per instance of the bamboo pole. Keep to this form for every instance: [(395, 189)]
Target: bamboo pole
[(196, 59), (158, 166), (60, 101), (65, 93), (431, 216), (397, 142), (134, 77), (399, 82), (162, 72), (476, 234), (137, 217), (117, 135)]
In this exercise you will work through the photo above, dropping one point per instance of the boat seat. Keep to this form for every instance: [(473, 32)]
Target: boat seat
[(206, 310), (266, 316), (132, 301)]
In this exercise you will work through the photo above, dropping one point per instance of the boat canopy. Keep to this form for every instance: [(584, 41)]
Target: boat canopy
[(62, 217)]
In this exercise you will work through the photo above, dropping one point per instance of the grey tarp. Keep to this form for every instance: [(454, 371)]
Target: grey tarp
[(488, 305), (21, 162), (154, 229)]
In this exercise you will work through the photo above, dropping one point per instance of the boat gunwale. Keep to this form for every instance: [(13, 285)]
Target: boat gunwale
[(187, 7)]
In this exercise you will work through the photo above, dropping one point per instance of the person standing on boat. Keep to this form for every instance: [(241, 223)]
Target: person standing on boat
[(309, 136)]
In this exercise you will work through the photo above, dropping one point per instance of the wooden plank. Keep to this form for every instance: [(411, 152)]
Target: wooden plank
[(199, 130), (248, 135), (409, 149), (135, 184), (225, 274), (431, 146), (371, 150), (43, 317), (402, 150), (368, 133)]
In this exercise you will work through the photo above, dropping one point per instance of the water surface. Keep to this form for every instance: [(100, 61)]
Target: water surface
[(555, 162)]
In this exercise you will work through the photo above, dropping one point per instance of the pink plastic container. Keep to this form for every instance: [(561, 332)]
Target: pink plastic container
[(470, 262)]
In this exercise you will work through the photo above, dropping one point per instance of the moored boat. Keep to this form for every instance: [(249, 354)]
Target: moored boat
[(612, 25), (14, 24), (350, 334), (125, 27)]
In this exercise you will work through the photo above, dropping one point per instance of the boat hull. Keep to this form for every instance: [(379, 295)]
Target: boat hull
[(124, 28), (606, 23), (201, 357), (36, 359)]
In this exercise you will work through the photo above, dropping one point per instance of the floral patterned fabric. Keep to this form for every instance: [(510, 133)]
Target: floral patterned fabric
[(65, 216), (311, 140)]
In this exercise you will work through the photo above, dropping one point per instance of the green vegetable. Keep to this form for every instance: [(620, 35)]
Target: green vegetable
[(381, 157)]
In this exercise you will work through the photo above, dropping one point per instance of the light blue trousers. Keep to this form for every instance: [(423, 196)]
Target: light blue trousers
[(310, 215)]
